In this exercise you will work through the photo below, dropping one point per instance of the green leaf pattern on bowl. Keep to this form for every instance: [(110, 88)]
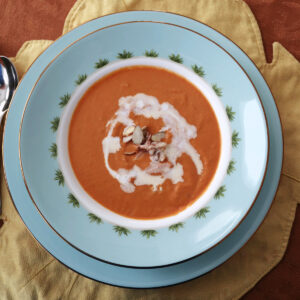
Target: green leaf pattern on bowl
[(122, 231)]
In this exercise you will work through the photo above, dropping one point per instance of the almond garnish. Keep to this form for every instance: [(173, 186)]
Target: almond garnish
[(130, 149), (137, 136), (128, 130), (130, 153), (127, 139), (143, 142), (159, 144), (162, 157), (157, 137)]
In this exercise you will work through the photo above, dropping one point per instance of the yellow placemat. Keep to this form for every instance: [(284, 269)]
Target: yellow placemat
[(29, 272)]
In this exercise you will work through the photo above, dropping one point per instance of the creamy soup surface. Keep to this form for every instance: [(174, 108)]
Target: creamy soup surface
[(144, 142)]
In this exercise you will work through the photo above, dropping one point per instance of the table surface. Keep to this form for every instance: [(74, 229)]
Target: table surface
[(278, 21)]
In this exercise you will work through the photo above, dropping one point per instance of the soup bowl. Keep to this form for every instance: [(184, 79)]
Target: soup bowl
[(95, 207)]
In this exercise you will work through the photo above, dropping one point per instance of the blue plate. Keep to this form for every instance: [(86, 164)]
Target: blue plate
[(139, 278), (147, 248)]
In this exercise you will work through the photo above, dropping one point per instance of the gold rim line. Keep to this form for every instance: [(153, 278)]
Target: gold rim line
[(103, 28), (277, 185), (185, 18)]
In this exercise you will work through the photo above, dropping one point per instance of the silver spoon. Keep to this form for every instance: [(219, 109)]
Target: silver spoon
[(8, 83)]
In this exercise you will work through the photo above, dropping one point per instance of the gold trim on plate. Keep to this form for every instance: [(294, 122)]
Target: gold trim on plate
[(26, 105), (102, 29)]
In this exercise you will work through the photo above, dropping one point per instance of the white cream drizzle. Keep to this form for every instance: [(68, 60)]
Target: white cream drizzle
[(182, 132)]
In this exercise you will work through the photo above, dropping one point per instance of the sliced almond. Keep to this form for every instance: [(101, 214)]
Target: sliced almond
[(157, 137), (130, 153), (127, 139), (162, 157), (128, 130), (159, 145), (137, 136), (146, 146), (130, 148)]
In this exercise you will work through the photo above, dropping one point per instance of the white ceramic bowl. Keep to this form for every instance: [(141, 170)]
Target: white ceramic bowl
[(93, 206)]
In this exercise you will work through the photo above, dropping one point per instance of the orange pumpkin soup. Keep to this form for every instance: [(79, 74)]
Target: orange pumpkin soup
[(144, 142)]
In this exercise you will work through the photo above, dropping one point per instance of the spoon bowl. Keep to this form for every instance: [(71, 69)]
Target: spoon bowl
[(8, 81), (8, 84)]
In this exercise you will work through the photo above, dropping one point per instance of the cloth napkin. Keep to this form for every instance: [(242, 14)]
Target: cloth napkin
[(29, 272)]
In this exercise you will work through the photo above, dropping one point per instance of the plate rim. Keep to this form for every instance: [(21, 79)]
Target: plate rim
[(176, 262), (252, 64)]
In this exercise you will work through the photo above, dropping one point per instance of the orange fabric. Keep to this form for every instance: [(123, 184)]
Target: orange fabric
[(24, 20)]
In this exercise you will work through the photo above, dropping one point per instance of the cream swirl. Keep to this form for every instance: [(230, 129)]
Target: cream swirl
[(182, 133)]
